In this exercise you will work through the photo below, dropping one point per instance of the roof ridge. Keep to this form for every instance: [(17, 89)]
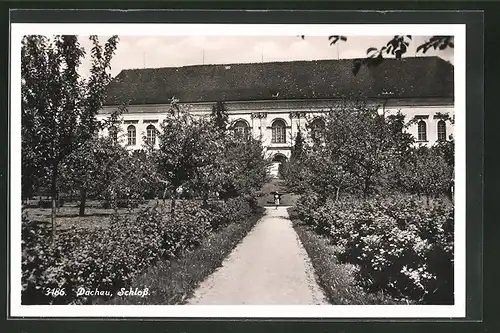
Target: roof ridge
[(273, 62)]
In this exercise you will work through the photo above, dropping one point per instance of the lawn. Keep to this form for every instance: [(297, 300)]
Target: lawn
[(67, 216)]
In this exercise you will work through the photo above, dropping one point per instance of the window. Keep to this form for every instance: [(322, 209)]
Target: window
[(317, 126), (113, 133), (441, 129), (422, 131), (151, 135), (131, 135), (278, 128), (241, 129)]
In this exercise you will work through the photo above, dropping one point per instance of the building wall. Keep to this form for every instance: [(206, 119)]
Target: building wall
[(430, 114), (260, 115)]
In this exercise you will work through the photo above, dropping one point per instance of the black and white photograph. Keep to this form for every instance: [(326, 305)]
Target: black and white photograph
[(234, 170)]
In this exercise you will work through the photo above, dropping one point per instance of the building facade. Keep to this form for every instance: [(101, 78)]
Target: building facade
[(276, 100)]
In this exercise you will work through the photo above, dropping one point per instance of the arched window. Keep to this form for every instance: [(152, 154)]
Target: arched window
[(279, 134), (151, 135), (422, 131), (441, 130), (241, 129), (131, 135), (317, 127), (113, 133)]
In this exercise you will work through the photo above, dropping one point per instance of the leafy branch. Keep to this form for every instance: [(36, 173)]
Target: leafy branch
[(397, 47)]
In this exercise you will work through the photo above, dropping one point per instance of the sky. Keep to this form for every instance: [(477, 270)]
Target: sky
[(175, 51)]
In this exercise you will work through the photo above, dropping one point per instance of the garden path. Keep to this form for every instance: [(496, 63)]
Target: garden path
[(269, 267)]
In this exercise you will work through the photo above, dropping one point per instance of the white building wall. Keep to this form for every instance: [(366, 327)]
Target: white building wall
[(261, 114), (430, 114)]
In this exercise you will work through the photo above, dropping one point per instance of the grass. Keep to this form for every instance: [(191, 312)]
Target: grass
[(67, 216), (174, 282), (336, 279)]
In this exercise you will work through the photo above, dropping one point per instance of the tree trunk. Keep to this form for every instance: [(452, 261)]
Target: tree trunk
[(53, 192), (450, 193), (366, 187), (173, 198), (115, 202), (129, 204), (83, 199), (165, 194)]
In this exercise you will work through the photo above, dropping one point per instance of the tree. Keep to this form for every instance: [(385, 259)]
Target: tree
[(293, 169), (220, 116), (93, 168), (356, 150), (59, 108), (135, 176), (359, 141), (428, 172), (194, 156), (187, 144), (397, 47), (298, 147), (239, 169), (326, 175)]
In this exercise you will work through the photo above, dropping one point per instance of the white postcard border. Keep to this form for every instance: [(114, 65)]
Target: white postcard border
[(241, 311)]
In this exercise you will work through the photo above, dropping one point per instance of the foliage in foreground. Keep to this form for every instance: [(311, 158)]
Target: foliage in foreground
[(335, 278), (109, 259), (402, 247), (174, 282), (396, 47)]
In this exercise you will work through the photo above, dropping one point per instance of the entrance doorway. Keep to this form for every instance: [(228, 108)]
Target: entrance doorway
[(278, 159)]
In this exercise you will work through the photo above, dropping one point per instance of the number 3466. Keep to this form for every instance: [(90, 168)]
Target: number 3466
[(54, 292)]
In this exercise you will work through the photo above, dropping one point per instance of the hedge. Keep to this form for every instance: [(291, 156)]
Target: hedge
[(400, 246), (108, 259)]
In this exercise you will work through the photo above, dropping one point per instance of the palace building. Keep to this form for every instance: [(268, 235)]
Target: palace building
[(276, 99)]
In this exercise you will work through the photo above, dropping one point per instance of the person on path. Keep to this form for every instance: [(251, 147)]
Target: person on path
[(277, 198)]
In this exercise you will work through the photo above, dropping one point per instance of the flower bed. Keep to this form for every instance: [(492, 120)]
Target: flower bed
[(399, 245), (108, 259)]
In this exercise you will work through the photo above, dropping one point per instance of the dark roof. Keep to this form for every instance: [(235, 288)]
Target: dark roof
[(321, 79)]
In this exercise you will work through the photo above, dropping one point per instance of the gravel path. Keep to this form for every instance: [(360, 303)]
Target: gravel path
[(269, 267)]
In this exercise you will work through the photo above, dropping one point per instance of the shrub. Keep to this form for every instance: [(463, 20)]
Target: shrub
[(36, 258), (108, 259), (336, 279), (230, 211), (190, 224), (175, 281), (400, 246), (306, 206), (236, 209), (104, 259)]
